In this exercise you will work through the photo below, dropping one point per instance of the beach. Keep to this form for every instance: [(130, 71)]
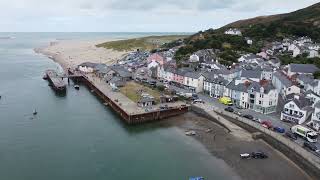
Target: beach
[(228, 147), (70, 53)]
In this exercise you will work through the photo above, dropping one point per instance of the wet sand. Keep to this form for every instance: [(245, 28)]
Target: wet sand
[(227, 147)]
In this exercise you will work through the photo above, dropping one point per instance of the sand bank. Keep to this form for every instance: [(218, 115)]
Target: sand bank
[(70, 53)]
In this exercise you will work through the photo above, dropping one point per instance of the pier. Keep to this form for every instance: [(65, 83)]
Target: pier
[(55, 80), (124, 107)]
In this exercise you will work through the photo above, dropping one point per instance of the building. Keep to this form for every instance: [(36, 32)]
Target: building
[(194, 58), (302, 69), (315, 118), (87, 67), (214, 85), (146, 101), (297, 109), (194, 81), (233, 31), (259, 96), (283, 85), (156, 58)]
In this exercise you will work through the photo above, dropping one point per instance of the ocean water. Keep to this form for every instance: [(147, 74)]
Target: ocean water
[(76, 136)]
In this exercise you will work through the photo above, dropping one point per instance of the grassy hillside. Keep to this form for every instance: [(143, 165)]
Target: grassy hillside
[(304, 22), (144, 43)]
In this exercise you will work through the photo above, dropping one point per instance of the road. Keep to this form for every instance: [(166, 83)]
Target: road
[(274, 118)]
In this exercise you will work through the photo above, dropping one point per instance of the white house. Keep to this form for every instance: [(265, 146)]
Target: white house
[(283, 85), (315, 118), (194, 81), (259, 96), (194, 58), (233, 31), (214, 85), (297, 110), (87, 67)]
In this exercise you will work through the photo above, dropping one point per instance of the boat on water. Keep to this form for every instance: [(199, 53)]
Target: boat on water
[(45, 77), (35, 112), (77, 87)]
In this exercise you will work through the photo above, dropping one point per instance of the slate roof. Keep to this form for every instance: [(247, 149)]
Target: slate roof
[(193, 74), (121, 71), (146, 99), (284, 80), (251, 74), (239, 87), (317, 105), (302, 102), (303, 68)]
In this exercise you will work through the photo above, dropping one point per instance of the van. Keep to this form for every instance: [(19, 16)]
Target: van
[(226, 101)]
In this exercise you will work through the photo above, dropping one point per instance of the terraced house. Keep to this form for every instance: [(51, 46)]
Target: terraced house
[(259, 96)]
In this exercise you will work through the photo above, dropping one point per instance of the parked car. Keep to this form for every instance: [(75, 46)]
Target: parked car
[(267, 124), (256, 120), (229, 109), (238, 113), (259, 155), (279, 129), (291, 136), (198, 101), (248, 116), (311, 146)]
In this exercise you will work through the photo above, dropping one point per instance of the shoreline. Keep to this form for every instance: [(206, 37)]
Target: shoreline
[(71, 53), (227, 147)]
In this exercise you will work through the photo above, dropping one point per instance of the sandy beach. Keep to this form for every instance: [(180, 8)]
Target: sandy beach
[(70, 53), (227, 147)]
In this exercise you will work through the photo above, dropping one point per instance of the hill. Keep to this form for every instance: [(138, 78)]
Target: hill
[(263, 29)]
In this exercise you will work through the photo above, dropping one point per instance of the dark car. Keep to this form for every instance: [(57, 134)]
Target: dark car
[(229, 109), (248, 116), (258, 155), (291, 135), (310, 146)]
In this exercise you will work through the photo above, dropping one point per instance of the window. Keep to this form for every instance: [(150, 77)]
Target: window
[(270, 103), (300, 113), (286, 110), (260, 102), (243, 98), (291, 105)]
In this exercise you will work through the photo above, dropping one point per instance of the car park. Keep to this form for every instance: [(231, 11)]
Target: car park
[(229, 109)]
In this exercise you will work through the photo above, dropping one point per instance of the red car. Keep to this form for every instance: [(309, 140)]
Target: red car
[(267, 124)]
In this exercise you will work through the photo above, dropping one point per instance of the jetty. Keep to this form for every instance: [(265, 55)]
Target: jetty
[(128, 110), (55, 80)]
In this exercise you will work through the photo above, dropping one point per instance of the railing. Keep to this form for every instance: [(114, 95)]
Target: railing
[(292, 115), (313, 159)]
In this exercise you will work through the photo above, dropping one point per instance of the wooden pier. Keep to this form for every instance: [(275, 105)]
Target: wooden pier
[(127, 109), (55, 80)]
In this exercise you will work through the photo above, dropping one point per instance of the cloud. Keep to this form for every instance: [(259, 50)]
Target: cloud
[(134, 15)]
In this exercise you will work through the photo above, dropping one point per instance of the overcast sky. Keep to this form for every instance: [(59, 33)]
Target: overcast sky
[(134, 15)]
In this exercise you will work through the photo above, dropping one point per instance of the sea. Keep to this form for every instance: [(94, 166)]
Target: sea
[(77, 137)]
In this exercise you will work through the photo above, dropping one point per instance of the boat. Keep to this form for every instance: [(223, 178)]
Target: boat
[(77, 87), (45, 77), (35, 112), (196, 178), (245, 156), (190, 133)]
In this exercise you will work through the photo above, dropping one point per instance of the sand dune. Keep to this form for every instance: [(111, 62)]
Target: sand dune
[(70, 53)]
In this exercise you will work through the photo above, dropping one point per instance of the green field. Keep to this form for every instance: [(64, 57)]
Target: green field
[(132, 91), (144, 43)]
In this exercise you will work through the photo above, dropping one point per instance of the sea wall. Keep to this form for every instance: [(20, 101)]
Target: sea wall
[(300, 156)]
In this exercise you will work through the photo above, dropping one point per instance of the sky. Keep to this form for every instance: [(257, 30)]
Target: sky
[(134, 15)]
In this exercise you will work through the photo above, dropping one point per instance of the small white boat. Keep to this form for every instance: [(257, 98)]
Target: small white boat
[(245, 156), (77, 87), (35, 112), (190, 133)]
